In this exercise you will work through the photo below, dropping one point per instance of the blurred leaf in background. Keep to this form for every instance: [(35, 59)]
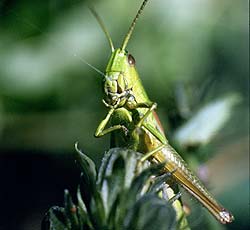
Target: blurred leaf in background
[(189, 54)]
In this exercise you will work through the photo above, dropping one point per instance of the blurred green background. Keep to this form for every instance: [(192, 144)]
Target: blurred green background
[(192, 57)]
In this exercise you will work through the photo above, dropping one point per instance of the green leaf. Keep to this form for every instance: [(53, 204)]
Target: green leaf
[(131, 195), (97, 212), (86, 164), (103, 167), (130, 158), (126, 196), (160, 182), (54, 219), (70, 211), (141, 180), (149, 213), (113, 183), (88, 176), (82, 211)]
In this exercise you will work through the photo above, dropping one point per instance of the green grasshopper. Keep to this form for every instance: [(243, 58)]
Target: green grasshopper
[(134, 123)]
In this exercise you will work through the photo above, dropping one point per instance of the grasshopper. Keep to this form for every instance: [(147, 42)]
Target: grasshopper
[(134, 123)]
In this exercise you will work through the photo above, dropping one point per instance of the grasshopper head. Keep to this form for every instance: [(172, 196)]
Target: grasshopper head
[(120, 75), (118, 82)]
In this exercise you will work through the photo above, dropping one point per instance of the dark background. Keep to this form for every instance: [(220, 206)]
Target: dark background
[(188, 53)]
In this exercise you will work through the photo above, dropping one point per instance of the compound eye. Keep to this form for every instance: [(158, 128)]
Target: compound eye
[(131, 60)]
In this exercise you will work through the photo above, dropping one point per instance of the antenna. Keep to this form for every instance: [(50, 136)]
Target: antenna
[(88, 64), (132, 26), (100, 21)]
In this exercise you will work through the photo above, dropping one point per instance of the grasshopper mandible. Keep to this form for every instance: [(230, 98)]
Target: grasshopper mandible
[(134, 123)]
